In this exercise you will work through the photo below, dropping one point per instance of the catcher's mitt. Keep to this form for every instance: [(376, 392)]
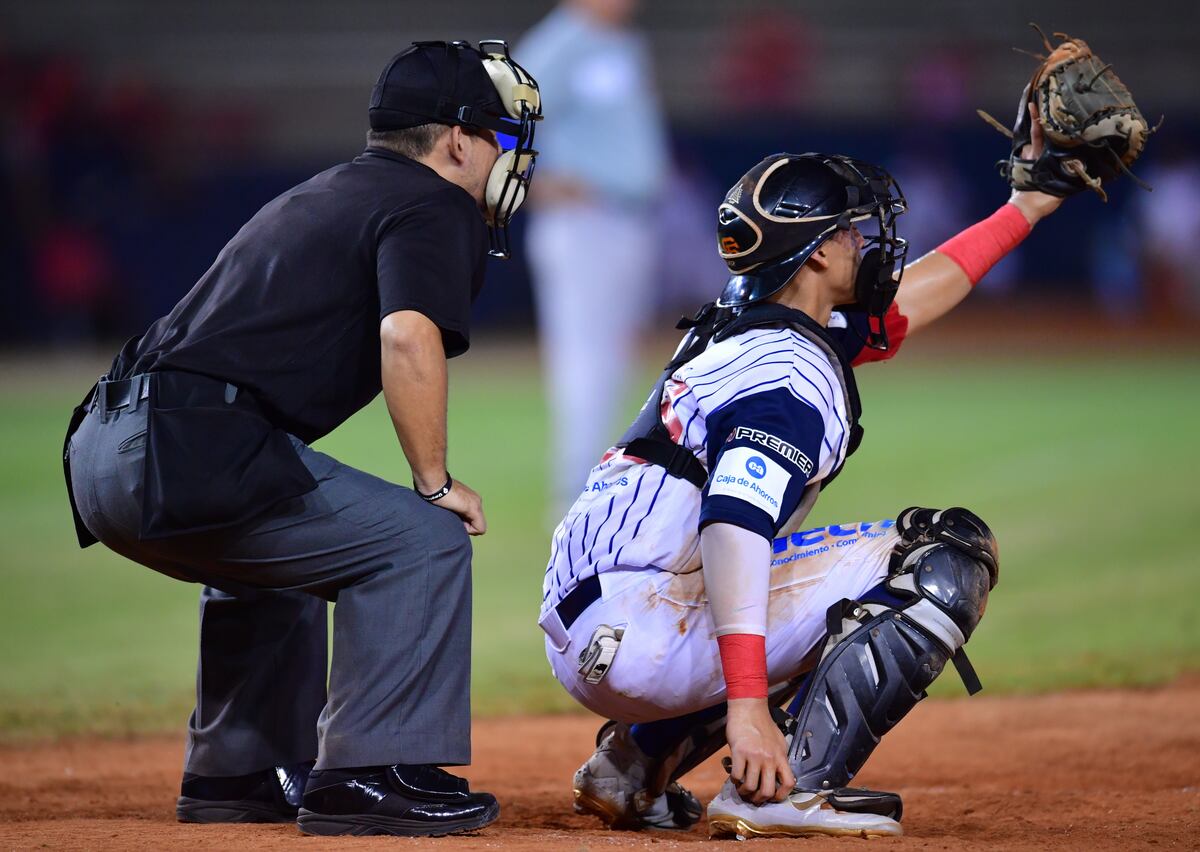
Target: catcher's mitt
[(1092, 129)]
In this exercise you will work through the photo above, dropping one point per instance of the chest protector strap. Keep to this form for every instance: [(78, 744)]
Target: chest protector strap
[(647, 438)]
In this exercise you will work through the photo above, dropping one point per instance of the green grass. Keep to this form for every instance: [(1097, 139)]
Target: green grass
[(1085, 468)]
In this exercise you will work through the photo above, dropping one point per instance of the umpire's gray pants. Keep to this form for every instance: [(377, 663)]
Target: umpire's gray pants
[(398, 568)]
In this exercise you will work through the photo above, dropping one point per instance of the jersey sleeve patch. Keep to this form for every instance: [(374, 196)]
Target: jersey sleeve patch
[(793, 454), (749, 475), (763, 450)]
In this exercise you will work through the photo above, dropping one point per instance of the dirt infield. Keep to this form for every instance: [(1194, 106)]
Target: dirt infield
[(1086, 770)]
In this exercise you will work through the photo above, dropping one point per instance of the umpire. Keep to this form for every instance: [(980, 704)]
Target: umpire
[(191, 457)]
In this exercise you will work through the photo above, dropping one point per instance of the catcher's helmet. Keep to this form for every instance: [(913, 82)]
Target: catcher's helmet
[(780, 212)]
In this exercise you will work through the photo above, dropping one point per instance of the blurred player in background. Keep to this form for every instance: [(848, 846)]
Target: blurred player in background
[(591, 241), (1169, 224)]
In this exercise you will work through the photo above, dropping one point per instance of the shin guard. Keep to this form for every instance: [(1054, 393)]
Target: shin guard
[(883, 651)]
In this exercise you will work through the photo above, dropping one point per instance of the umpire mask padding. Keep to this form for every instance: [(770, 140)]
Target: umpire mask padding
[(508, 182), (784, 208)]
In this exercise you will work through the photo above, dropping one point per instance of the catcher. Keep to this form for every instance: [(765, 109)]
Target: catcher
[(683, 598)]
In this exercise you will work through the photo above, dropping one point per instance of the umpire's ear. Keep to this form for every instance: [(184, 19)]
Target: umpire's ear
[(458, 145)]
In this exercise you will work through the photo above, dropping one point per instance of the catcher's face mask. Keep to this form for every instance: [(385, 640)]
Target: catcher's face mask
[(784, 208), (475, 88), (883, 251)]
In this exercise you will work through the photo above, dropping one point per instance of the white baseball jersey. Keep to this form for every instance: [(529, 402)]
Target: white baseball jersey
[(763, 411)]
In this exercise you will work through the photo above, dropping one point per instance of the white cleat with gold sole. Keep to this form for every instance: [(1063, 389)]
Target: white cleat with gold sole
[(805, 813), (612, 785)]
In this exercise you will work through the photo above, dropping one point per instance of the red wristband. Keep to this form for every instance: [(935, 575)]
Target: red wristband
[(744, 660), (980, 247)]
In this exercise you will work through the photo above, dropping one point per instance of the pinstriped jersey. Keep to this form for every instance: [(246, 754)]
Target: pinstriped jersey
[(763, 411)]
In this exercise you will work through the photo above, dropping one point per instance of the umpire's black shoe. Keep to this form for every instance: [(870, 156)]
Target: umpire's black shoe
[(404, 800), (269, 795)]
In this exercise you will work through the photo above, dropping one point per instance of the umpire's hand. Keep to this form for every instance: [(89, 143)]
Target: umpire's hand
[(464, 502)]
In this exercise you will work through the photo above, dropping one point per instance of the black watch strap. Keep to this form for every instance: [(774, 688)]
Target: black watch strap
[(436, 495)]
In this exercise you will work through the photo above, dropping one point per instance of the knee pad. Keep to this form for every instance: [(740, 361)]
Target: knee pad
[(884, 650), (960, 528), (945, 565)]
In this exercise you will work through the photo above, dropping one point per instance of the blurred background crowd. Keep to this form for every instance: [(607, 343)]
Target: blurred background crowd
[(138, 137)]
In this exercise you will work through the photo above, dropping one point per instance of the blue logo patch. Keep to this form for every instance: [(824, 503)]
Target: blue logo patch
[(756, 467)]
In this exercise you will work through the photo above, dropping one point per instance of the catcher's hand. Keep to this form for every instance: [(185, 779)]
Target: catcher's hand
[(1034, 204), (1093, 130)]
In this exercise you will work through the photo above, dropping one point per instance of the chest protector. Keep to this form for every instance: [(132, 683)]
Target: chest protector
[(647, 438)]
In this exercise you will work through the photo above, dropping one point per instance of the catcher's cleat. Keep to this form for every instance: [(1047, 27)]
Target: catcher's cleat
[(846, 812), (612, 786)]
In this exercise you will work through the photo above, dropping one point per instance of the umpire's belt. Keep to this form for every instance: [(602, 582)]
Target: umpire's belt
[(115, 394), (124, 393), (213, 459)]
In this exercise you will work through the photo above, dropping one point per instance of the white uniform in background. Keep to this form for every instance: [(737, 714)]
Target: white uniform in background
[(592, 258)]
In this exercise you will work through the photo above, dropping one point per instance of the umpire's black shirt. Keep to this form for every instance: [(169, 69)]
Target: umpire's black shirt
[(290, 310), (281, 335)]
